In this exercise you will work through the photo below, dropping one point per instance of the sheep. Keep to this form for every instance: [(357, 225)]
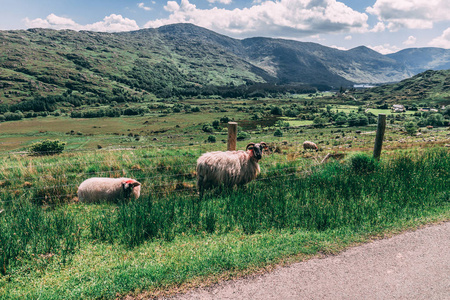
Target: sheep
[(310, 145), (109, 189), (228, 168)]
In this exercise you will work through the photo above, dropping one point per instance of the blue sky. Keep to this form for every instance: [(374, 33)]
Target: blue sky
[(384, 25)]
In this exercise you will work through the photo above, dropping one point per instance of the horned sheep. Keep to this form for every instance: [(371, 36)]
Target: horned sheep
[(307, 145), (110, 189), (229, 168)]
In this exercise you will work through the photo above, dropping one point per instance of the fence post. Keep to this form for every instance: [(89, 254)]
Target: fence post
[(232, 136), (380, 135)]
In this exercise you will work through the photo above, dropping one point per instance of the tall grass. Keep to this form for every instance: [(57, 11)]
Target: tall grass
[(294, 207), (31, 237), (360, 194)]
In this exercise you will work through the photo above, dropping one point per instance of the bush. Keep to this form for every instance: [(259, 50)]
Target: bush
[(47, 147), (207, 128), (276, 110), (211, 139), (242, 135), (216, 124), (281, 123), (278, 132), (411, 127), (363, 163), (341, 120), (224, 119)]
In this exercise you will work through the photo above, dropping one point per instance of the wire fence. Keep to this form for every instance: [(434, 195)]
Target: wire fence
[(164, 173)]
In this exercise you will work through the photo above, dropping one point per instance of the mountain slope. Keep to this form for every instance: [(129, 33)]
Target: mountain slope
[(182, 59), (429, 87), (421, 59)]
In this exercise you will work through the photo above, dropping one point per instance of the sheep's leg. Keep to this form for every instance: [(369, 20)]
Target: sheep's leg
[(200, 187)]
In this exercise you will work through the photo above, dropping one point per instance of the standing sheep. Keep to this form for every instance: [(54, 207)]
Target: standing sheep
[(310, 145), (229, 168), (110, 189)]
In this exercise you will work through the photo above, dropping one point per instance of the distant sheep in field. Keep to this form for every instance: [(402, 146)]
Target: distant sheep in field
[(97, 189), (229, 168), (307, 145)]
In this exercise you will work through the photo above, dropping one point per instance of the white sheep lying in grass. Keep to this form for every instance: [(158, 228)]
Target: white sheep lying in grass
[(229, 168), (110, 189), (310, 145)]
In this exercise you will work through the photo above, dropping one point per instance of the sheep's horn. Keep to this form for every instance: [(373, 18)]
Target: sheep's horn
[(251, 144), (264, 145)]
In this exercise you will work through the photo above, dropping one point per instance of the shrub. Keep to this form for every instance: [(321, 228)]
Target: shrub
[(411, 127), (363, 163), (47, 147), (224, 119), (281, 123), (242, 135), (207, 128), (276, 110), (341, 120), (211, 139), (278, 132)]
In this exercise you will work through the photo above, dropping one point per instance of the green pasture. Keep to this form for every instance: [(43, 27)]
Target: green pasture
[(53, 247)]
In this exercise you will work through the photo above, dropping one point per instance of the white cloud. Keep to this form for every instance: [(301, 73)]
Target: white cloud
[(339, 48), (419, 14), (380, 27), (442, 41), (52, 21), (112, 23), (289, 18), (410, 41), (385, 49), (221, 1), (348, 38), (142, 5)]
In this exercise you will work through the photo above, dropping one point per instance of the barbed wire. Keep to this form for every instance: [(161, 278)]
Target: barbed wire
[(185, 176), (29, 164), (155, 188)]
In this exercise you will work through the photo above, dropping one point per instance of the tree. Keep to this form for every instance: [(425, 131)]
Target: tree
[(341, 120), (435, 120), (319, 122), (276, 110), (411, 127)]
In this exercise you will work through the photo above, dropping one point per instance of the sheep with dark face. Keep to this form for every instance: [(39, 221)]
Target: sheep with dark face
[(229, 168), (97, 189)]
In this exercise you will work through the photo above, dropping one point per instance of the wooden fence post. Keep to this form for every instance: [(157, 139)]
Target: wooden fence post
[(232, 136), (380, 135)]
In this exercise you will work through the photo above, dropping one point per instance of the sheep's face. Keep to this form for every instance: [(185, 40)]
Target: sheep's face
[(131, 187), (256, 150)]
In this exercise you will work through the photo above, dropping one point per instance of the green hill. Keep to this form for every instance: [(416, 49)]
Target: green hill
[(428, 88), (41, 69)]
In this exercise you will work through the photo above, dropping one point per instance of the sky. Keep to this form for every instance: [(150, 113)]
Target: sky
[(385, 26)]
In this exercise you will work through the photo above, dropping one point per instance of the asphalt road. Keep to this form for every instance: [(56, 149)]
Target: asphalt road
[(413, 265)]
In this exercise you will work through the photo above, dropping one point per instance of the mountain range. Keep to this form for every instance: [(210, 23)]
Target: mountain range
[(184, 58)]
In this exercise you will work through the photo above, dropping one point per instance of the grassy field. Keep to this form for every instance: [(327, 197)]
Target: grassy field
[(51, 246), (54, 247)]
